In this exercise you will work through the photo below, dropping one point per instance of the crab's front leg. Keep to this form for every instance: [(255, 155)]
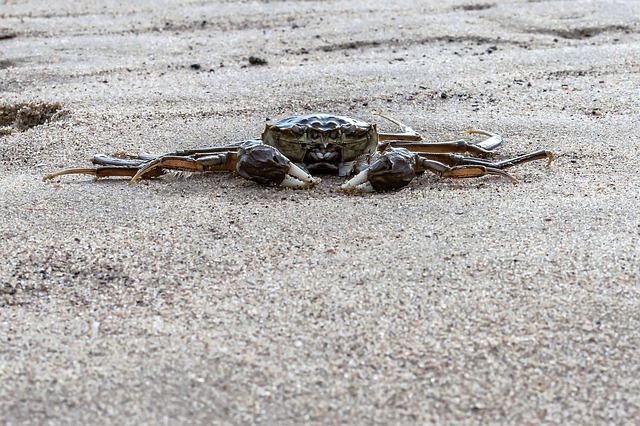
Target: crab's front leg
[(266, 165), (396, 167), (393, 169), (150, 166), (253, 160)]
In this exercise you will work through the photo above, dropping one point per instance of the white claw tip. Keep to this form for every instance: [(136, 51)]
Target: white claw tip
[(293, 182), (363, 187), (358, 183), (300, 174), (361, 177)]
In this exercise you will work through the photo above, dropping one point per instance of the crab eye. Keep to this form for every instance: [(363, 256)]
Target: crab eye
[(348, 129), (297, 129), (334, 134), (312, 134)]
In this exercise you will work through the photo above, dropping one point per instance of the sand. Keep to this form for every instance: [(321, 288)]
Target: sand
[(211, 299)]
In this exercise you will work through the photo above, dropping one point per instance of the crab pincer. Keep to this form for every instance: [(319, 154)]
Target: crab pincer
[(264, 164), (393, 169)]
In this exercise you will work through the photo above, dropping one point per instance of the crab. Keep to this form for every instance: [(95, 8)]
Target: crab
[(291, 150)]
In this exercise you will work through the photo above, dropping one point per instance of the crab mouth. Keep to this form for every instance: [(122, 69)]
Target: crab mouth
[(323, 156), (322, 160)]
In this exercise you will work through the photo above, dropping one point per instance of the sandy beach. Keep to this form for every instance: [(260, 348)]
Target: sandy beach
[(210, 299)]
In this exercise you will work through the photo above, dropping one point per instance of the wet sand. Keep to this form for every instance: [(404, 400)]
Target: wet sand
[(210, 299)]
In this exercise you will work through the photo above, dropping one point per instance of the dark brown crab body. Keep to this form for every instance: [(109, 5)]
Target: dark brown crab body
[(293, 148)]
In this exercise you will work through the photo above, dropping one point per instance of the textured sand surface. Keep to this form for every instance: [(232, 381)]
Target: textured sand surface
[(212, 299)]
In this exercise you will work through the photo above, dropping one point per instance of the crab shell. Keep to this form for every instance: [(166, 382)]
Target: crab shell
[(323, 142)]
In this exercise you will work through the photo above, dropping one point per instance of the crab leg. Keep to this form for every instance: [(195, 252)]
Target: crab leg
[(251, 160), (209, 163), (453, 160), (459, 146), (100, 172), (461, 171), (407, 134), (458, 166), (396, 167), (151, 166), (106, 166)]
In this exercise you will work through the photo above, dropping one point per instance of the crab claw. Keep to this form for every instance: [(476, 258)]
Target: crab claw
[(264, 164), (392, 170)]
